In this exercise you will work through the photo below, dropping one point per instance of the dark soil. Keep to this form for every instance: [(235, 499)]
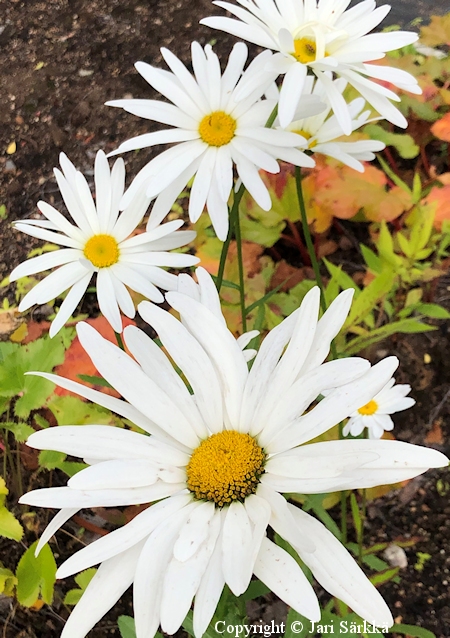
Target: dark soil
[(61, 60)]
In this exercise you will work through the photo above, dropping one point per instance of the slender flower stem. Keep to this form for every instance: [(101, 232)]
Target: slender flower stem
[(308, 238), (234, 215), (119, 341), (237, 232), (363, 518)]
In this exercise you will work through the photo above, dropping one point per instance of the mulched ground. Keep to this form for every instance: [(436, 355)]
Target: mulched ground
[(61, 60)]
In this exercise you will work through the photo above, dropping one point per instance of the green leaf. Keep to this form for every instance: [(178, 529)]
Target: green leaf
[(395, 178), (421, 229), (417, 188), (7, 581), (344, 280), (375, 563), (73, 411), (385, 246), (188, 625), (21, 431), (433, 310), (404, 245), (9, 525), (369, 298), (94, 380), (50, 459), (297, 626), (127, 627), (372, 260), (403, 143), (411, 631), (384, 577), (357, 520), (405, 326), (36, 576), (43, 355), (82, 580), (255, 590)]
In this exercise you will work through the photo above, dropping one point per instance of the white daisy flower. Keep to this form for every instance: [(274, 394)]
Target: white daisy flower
[(374, 415), (323, 36), (220, 457), (323, 133), (99, 242), (213, 130)]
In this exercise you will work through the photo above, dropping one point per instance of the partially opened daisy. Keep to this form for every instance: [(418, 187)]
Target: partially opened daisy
[(100, 241), (375, 414), (220, 457), (324, 135), (212, 132), (321, 35)]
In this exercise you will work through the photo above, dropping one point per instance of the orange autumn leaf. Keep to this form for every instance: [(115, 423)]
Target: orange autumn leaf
[(439, 199), (78, 362), (441, 128), (339, 191)]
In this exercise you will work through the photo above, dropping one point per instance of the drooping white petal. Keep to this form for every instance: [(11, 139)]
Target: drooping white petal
[(57, 521)]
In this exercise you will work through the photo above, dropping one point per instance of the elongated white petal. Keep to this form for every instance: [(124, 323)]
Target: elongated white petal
[(338, 573), (57, 521), (123, 538), (279, 571), (237, 548), (111, 580)]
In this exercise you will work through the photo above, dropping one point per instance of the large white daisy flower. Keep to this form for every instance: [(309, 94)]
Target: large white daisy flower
[(99, 242), (213, 131), (219, 459), (322, 36), (324, 135), (374, 415)]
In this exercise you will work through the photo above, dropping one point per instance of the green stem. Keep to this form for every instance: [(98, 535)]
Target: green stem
[(234, 214), (119, 341), (272, 117), (363, 518), (308, 238), (237, 232)]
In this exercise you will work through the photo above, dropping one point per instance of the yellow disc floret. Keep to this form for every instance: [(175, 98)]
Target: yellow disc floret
[(102, 251), (226, 467), (369, 409), (217, 129), (307, 136), (305, 50)]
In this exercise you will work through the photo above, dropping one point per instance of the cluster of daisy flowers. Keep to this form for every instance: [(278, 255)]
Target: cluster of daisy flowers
[(213, 450)]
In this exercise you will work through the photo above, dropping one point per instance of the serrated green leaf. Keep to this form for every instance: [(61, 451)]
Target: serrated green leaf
[(73, 411), (21, 431), (50, 459), (36, 576), (43, 355), (294, 622), (9, 525)]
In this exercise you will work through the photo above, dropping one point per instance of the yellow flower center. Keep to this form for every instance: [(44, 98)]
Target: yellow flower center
[(305, 50), (369, 409), (102, 251), (225, 467), (307, 137), (217, 129)]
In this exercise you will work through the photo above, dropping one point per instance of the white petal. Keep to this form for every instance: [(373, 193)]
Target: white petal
[(237, 548), (57, 521), (108, 584), (45, 262), (69, 304), (291, 92), (107, 299), (279, 571), (338, 573), (194, 532)]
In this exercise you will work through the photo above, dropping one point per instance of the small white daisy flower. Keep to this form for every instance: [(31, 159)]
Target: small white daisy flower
[(213, 131), (323, 133), (322, 35), (220, 456), (99, 242), (374, 415)]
